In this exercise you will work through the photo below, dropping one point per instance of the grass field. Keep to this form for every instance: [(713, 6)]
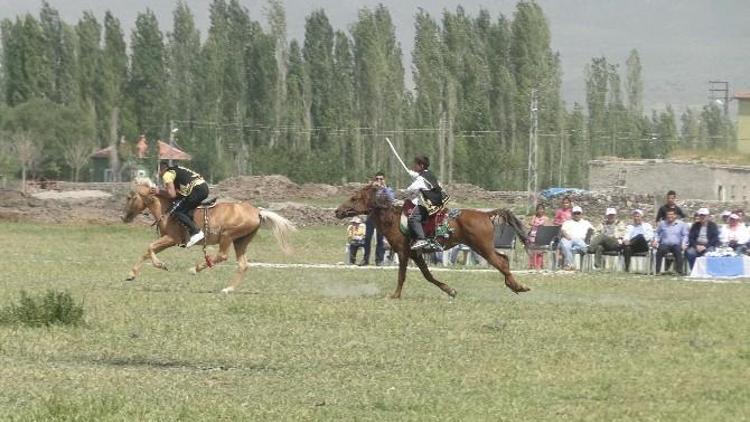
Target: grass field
[(325, 344)]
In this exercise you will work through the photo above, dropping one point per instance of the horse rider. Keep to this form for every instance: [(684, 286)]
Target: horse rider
[(189, 188), (427, 195)]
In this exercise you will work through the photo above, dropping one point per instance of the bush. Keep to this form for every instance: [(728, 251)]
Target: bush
[(44, 310)]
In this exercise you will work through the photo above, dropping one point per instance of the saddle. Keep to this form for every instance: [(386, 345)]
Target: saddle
[(208, 203), (435, 226)]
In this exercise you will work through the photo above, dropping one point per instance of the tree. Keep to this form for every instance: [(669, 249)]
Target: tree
[(147, 85), (182, 60), (26, 151), (318, 54), (634, 83), (89, 62), (277, 23)]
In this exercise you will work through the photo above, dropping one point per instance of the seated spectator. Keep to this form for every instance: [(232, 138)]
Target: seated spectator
[(471, 255), (735, 235), (671, 236), (355, 236), (637, 237), (670, 205), (740, 213), (725, 217), (564, 213), (536, 258), (703, 237), (573, 237), (609, 237)]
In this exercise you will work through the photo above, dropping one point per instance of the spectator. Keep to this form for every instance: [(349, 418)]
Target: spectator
[(703, 237), (735, 234), (563, 213), (670, 205), (355, 235), (471, 255), (740, 213), (725, 217), (671, 236), (378, 180), (573, 236), (536, 258), (609, 237), (637, 237)]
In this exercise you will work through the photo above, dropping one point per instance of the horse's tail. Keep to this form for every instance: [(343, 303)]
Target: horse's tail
[(509, 218), (280, 227)]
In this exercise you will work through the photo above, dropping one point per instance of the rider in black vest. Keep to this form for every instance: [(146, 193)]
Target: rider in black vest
[(189, 188), (425, 190)]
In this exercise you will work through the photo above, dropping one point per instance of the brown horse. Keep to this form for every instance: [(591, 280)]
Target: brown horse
[(228, 224), (472, 227)]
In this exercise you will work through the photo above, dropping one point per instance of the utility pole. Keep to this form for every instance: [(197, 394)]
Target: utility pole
[(531, 182), (172, 131), (719, 91)]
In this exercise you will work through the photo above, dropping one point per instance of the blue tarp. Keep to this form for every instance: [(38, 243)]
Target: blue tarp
[(550, 193)]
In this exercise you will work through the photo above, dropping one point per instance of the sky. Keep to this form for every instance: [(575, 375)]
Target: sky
[(683, 44)]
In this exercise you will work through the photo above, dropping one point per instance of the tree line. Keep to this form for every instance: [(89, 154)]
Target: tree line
[(247, 100)]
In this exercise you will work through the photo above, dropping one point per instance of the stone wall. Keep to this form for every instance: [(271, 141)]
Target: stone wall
[(691, 179)]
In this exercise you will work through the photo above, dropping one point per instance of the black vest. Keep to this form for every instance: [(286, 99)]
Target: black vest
[(184, 176), (435, 193)]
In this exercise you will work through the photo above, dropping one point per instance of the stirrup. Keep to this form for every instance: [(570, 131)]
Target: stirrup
[(419, 244)]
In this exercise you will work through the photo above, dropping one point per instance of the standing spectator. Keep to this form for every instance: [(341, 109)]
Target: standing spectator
[(670, 205), (671, 236), (735, 234), (563, 213), (378, 180), (573, 236), (608, 238), (355, 235), (703, 237), (536, 258), (637, 237)]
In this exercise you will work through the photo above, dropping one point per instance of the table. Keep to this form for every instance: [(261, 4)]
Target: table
[(721, 267)]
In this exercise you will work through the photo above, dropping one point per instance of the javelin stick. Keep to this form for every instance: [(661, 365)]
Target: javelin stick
[(396, 154)]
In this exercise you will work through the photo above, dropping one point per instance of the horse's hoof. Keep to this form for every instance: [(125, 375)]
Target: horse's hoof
[(227, 290), (521, 289), (130, 278), (452, 293), (394, 296), (193, 271)]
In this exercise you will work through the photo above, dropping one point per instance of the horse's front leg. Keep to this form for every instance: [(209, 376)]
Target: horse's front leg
[(403, 262), (159, 245), (419, 260)]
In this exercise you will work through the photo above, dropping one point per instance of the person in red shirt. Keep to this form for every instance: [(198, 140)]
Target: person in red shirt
[(563, 213)]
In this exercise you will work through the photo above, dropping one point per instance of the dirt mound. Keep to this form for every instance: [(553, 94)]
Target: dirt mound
[(276, 189), (305, 215)]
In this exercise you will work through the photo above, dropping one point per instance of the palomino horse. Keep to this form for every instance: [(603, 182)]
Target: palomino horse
[(472, 227), (228, 223)]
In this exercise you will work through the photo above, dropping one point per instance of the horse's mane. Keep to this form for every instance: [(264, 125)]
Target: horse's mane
[(143, 181)]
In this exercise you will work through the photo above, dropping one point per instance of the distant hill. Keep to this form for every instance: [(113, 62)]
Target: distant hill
[(683, 44)]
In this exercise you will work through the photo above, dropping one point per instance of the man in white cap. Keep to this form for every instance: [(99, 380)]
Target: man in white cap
[(637, 237), (355, 235), (609, 237), (573, 235), (703, 237), (735, 234)]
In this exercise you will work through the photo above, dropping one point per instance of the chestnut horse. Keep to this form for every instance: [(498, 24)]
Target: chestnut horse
[(228, 224), (472, 227)]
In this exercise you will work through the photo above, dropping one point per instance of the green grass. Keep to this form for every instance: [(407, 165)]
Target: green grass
[(324, 344)]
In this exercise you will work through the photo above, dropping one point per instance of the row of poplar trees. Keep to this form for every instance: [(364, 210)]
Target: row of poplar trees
[(246, 100)]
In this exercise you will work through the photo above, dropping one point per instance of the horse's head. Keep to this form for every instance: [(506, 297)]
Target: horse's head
[(361, 202), (139, 198)]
